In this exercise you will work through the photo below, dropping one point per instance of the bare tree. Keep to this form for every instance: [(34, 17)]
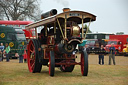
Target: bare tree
[(1, 14), (20, 9)]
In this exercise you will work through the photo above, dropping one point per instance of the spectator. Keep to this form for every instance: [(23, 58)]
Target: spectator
[(86, 48), (101, 55), (112, 54), (7, 50), (20, 52), (1, 51), (25, 56), (0, 55)]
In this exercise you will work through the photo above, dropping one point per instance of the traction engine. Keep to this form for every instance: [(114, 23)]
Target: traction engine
[(55, 45)]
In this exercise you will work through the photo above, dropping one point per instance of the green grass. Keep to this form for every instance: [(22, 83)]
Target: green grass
[(14, 73), (18, 74)]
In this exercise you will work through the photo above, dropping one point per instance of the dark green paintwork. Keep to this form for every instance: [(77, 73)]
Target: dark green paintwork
[(14, 39)]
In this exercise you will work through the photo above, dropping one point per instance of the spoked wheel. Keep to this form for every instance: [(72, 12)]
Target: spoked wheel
[(33, 54), (51, 63), (65, 68), (84, 63)]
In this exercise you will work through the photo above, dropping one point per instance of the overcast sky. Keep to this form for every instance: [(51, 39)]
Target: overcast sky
[(112, 15)]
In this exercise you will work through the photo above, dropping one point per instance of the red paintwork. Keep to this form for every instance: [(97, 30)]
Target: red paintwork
[(68, 63), (49, 64), (28, 34), (118, 38), (50, 40), (25, 54), (82, 63), (17, 22), (31, 60), (56, 49)]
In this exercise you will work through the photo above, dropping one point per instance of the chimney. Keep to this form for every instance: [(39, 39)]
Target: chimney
[(66, 9)]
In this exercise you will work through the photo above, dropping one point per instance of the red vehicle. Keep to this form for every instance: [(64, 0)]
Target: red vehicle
[(55, 45), (14, 23), (119, 41), (29, 34)]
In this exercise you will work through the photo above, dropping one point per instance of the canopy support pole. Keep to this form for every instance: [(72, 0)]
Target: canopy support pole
[(82, 27), (87, 28), (45, 27), (36, 33), (54, 29), (60, 28), (65, 26)]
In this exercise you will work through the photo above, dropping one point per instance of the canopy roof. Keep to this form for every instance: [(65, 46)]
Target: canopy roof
[(75, 16)]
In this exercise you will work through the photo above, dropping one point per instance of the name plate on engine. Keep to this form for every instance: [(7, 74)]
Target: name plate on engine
[(74, 14)]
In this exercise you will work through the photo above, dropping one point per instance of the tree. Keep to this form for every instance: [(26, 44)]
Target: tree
[(1, 14), (119, 33), (20, 9), (85, 27)]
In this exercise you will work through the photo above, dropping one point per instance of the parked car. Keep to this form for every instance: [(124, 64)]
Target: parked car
[(125, 51), (94, 44)]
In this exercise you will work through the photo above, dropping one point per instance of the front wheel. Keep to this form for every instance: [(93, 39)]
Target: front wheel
[(51, 63), (84, 63)]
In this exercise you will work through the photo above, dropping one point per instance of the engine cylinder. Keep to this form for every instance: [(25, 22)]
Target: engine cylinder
[(49, 13), (64, 48)]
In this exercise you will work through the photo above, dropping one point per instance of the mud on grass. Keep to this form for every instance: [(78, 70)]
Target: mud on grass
[(14, 73)]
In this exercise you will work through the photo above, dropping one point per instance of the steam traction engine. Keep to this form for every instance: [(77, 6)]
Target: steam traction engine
[(55, 45)]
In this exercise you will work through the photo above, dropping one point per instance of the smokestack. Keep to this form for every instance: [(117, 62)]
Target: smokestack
[(49, 13), (66, 9)]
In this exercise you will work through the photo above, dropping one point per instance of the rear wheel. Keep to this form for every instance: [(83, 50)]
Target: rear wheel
[(84, 63), (33, 54), (51, 63), (65, 68)]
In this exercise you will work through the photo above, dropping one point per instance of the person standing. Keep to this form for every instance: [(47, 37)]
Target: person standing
[(0, 55), (85, 48), (25, 56), (101, 55), (7, 50), (20, 52), (1, 51), (112, 54)]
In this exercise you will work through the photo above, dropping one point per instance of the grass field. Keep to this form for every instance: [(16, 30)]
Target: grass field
[(14, 73)]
